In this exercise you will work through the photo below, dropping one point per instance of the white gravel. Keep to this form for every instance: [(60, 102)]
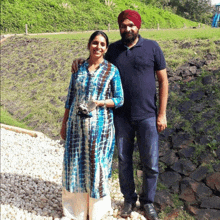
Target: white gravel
[(31, 169)]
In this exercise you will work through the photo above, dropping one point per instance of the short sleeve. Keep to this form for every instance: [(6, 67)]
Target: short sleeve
[(159, 59)]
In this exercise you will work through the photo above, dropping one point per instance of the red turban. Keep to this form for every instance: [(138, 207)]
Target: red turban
[(133, 16)]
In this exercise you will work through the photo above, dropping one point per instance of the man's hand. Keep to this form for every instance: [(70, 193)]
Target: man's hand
[(161, 122), (76, 64)]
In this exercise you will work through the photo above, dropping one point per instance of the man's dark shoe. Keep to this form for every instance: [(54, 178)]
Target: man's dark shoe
[(127, 209), (149, 211)]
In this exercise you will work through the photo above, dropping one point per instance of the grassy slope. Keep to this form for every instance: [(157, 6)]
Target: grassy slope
[(36, 71), (72, 15)]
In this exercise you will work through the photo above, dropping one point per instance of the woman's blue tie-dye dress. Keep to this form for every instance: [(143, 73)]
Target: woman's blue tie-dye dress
[(90, 140)]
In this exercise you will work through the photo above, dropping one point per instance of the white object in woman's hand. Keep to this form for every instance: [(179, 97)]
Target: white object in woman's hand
[(91, 105)]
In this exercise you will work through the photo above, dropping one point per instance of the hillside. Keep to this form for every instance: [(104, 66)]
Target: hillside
[(74, 15)]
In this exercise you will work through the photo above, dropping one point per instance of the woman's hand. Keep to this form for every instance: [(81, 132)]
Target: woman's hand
[(63, 129), (99, 102)]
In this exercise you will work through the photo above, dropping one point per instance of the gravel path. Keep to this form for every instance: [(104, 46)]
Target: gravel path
[(31, 188)]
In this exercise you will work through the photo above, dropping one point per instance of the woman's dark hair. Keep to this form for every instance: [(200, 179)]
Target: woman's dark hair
[(96, 33)]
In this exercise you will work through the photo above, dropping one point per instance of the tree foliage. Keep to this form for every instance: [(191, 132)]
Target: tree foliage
[(195, 10)]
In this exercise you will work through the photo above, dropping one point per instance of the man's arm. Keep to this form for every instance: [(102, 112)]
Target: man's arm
[(76, 64), (163, 96)]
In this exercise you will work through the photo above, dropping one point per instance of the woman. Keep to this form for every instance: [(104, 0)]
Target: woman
[(89, 133)]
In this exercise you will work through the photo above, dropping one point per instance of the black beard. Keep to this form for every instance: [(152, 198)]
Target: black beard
[(128, 39)]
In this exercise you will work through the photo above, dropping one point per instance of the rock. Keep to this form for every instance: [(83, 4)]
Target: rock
[(185, 106), (166, 134), (199, 108), (192, 191), (196, 62), (216, 167), (188, 79), (201, 190), (180, 127), (211, 202), (192, 209), (189, 116), (174, 87), (184, 166), (188, 195), (197, 126), (175, 78), (193, 70), (203, 140), (162, 200), (210, 56), (216, 42), (169, 158), (169, 178), (204, 214), (206, 158), (207, 80), (186, 152), (186, 72), (164, 147), (186, 45), (170, 72), (181, 140), (200, 173), (196, 96), (213, 181), (209, 115)]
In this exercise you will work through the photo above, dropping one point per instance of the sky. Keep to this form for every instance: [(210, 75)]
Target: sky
[(215, 1)]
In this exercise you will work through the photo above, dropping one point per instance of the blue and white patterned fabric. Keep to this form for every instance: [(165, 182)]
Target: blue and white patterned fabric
[(90, 140)]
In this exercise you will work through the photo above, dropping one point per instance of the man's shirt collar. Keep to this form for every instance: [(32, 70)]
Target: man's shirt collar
[(138, 44)]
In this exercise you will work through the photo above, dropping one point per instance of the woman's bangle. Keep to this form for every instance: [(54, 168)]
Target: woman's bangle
[(105, 103)]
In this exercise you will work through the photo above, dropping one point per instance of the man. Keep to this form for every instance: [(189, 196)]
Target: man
[(137, 60)]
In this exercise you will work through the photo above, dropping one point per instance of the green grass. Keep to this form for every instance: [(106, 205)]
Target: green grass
[(6, 118), (74, 15), (166, 38), (163, 34)]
